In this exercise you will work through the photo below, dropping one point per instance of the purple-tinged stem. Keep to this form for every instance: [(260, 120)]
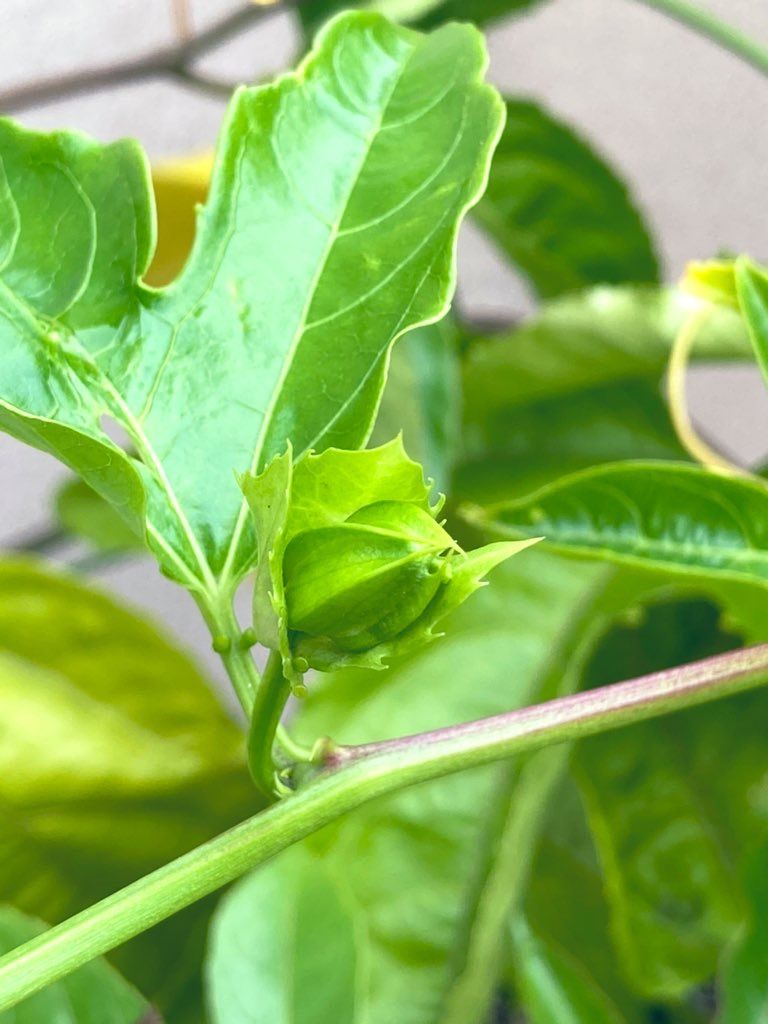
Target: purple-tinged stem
[(581, 714)]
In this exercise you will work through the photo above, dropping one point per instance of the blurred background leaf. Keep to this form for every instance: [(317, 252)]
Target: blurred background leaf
[(115, 757), (94, 994)]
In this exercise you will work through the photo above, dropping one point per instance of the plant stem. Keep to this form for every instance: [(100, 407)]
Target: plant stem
[(353, 776), (228, 643), (707, 24), (580, 714), (291, 747), (271, 696)]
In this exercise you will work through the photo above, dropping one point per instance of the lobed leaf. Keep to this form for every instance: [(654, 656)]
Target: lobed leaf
[(304, 272)]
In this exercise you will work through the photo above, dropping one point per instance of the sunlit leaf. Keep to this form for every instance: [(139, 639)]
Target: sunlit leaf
[(304, 271), (180, 186)]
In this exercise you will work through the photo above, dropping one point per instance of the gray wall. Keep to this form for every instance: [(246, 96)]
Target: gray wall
[(682, 119)]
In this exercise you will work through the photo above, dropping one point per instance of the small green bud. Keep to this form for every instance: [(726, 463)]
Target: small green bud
[(364, 581), (248, 639)]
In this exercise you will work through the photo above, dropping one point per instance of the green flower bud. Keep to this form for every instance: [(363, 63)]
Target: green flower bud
[(364, 581)]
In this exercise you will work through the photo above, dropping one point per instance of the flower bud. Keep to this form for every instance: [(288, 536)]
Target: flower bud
[(364, 581)]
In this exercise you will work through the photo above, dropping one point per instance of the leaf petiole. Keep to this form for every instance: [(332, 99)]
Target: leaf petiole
[(226, 638), (271, 697), (294, 750)]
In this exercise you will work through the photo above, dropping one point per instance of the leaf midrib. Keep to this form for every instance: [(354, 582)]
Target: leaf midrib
[(227, 570)]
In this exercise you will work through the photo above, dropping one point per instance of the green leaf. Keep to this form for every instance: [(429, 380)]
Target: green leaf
[(115, 758), (411, 939), (419, 13), (752, 294), (581, 342), (84, 514), (559, 211), (744, 980), (663, 797), (281, 922), (577, 385), (94, 994), (422, 399), (529, 446), (304, 272), (679, 518), (565, 903), (553, 986)]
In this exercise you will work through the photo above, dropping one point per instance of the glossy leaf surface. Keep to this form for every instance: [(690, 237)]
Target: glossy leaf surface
[(674, 517), (558, 210), (94, 994), (304, 271)]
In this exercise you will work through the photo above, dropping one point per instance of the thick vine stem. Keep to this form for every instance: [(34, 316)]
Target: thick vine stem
[(707, 24), (350, 777)]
